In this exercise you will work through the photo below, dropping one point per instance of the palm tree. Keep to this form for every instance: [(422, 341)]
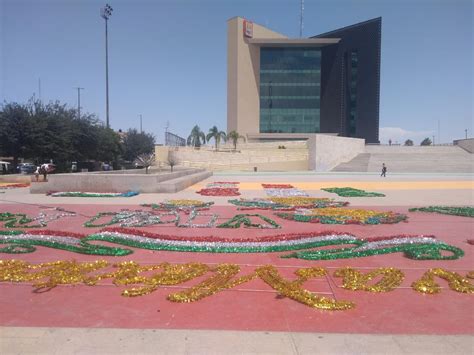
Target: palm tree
[(196, 136), (235, 136), (217, 135)]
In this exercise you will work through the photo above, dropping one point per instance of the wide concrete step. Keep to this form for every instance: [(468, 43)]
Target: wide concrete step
[(180, 183), (452, 161), (359, 163), (379, 149)]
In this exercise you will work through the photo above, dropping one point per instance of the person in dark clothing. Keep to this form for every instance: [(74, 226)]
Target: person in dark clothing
[(384, 170)]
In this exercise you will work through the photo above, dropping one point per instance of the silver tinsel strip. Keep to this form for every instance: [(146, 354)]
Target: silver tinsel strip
[(396, 241)]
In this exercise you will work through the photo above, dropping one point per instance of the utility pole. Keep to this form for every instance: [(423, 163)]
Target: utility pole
[(439, 134), (301, 18), (433, 140), (141, 130), (79, 101), (39, 88), (105, 13), (465, 131)]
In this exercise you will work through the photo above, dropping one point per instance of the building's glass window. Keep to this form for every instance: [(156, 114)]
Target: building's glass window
[(353, 95), (290, 89)]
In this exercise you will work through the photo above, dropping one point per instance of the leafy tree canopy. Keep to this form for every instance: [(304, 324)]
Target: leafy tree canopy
[(409, 142), (217, 135), (196, 138), (41, 132), (135, 144), (426, 141), (234, 136)]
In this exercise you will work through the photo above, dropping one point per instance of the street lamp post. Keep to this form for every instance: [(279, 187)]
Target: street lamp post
[(105, 13), (79, 101), (271, 106)]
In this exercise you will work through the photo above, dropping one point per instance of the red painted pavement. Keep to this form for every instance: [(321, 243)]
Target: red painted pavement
[(253, 305)]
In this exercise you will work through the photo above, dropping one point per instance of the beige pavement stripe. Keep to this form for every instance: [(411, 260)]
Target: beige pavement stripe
[(376, 185)]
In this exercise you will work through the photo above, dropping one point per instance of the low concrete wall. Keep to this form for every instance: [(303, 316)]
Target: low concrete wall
[(146, 183), (326, 152), (294, 165), (466, 144)]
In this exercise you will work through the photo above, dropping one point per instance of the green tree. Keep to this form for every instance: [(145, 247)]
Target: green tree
[(109, 147), (426, 141), (54, 133), (409, 142), (15, 127), (196, 138), (217, 135), (234, 136), (135, 143)]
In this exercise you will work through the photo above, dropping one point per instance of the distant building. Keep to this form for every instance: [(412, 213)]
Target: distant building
[(288, 88)]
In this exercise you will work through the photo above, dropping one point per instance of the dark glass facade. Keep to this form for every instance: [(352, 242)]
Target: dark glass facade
[(290, 87), (350, 81)]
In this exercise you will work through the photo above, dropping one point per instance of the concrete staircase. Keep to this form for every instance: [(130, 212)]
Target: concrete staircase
[(264, 156), (416, 159), (359, 163)]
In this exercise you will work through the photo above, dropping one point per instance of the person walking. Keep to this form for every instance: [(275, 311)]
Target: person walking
[(384, 170)]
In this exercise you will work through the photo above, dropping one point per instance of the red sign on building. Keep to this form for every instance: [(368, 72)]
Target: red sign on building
[(248, 29)]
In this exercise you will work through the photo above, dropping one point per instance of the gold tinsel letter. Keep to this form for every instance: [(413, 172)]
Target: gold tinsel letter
[(221, 280), (355, 280), (294, 290), (456, 282)]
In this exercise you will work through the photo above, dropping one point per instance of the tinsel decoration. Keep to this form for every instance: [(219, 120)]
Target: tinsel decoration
[(285, 203), (221, 280), (355, 280), (238, 220), (13, 186), (182, 205), (193, 214), (343, 216), (467, 211), (456, 282), (21, 220), (351, 192), (277, 186), (293, 289), (47, 276), (414, 247), (138, 218), (286, 192), (92, 194), (220, 188)]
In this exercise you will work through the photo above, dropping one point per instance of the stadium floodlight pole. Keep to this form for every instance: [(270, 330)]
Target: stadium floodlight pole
[(105, 13), (78, 101)]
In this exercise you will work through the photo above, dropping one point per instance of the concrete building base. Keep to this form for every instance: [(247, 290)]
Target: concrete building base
[(118, 181)]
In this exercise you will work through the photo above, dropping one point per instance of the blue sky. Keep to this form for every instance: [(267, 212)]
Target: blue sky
[(167, 59)]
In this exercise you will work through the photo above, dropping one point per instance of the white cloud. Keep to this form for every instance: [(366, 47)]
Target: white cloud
[(400, 135)]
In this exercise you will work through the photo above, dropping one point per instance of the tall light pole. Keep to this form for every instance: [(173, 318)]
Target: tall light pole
[(465, 131), (105, 13), (78, 101), (271, 106), (141, 130)]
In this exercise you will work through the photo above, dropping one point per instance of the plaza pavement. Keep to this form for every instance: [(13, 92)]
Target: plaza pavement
[(250, 319)]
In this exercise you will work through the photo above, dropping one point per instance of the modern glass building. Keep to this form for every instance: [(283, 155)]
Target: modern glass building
[(283, 88)]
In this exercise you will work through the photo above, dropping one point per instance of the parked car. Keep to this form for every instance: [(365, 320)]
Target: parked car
[(4, 167), (27, 168)]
